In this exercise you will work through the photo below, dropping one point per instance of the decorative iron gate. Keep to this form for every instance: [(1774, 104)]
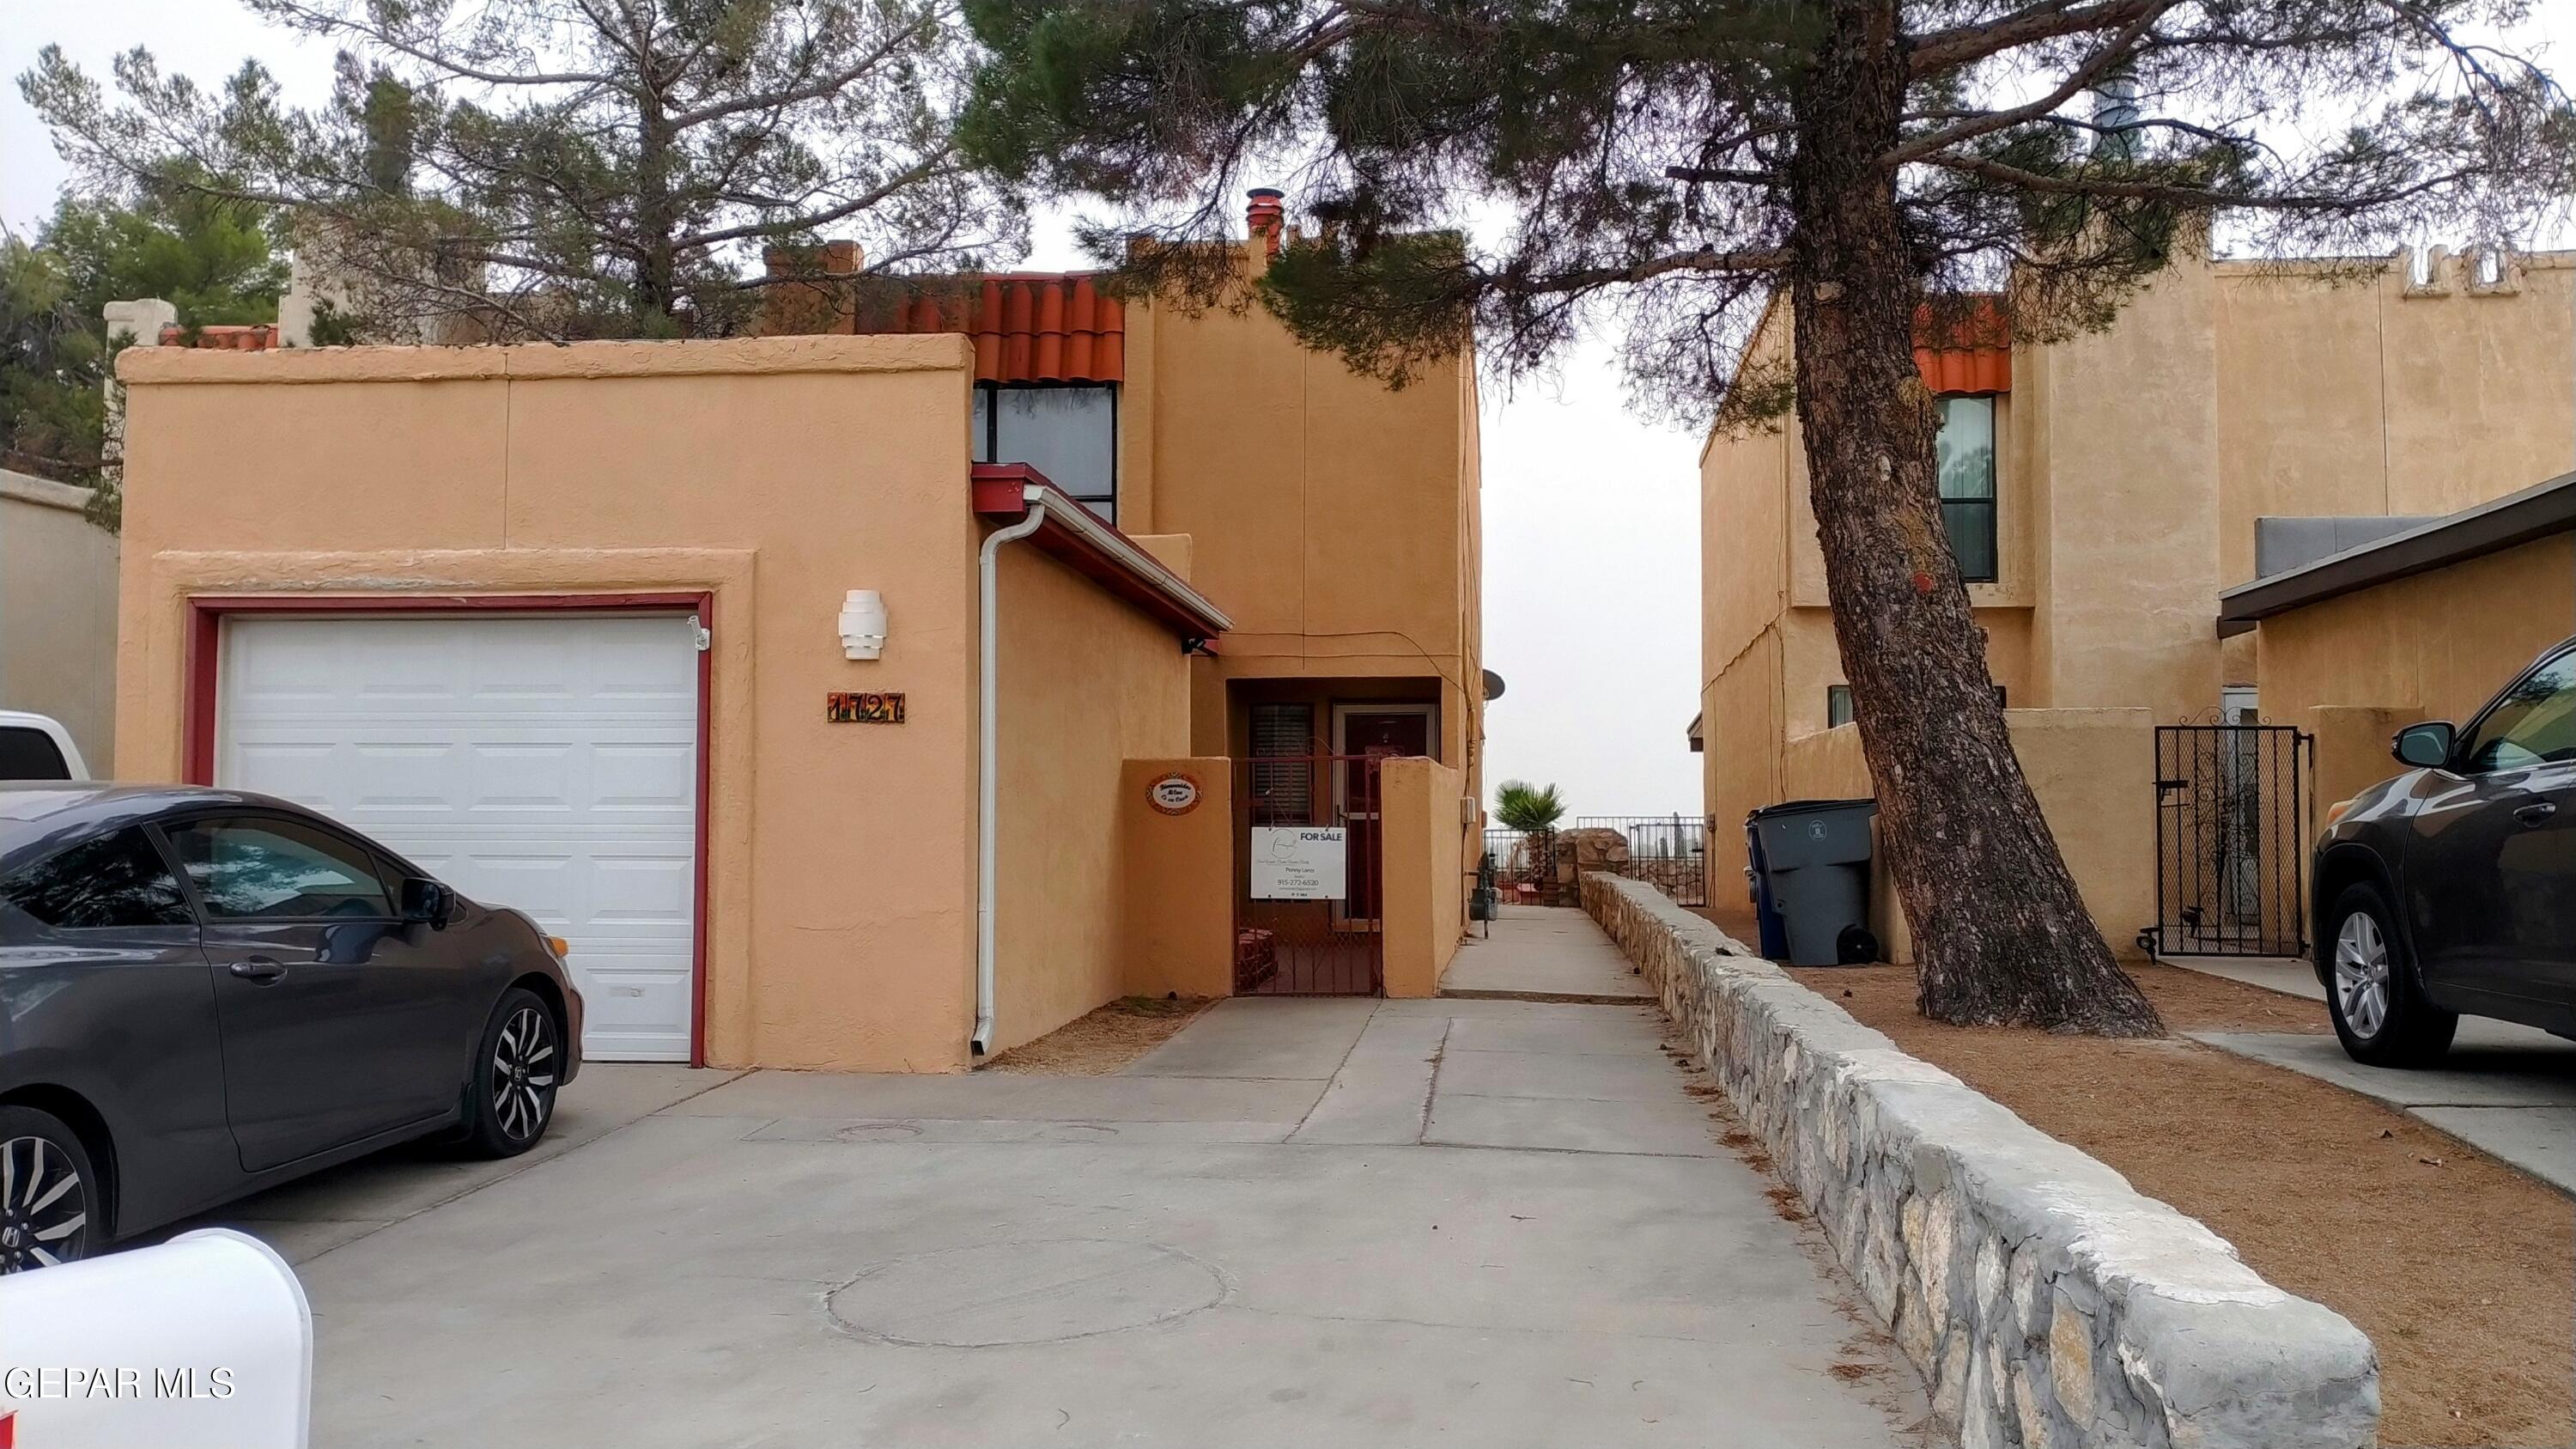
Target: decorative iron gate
[(1521, 858), (1308, 877), (1668, 852), (2231, 840)]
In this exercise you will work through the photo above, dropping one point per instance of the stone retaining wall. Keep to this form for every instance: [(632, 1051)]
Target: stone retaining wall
[(2047, 1303)]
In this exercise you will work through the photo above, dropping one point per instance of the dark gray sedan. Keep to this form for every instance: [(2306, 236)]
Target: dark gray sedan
[(205, 993)]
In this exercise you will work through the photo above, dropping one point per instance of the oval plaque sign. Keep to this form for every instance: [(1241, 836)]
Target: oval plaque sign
[(1174, 794)]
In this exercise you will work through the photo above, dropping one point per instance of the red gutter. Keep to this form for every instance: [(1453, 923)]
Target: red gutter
[(1002, 493)]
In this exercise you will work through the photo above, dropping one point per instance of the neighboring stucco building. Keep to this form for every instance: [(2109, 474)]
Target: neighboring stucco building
[(2102, 492), (58, 612)]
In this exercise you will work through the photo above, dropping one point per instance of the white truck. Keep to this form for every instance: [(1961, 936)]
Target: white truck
[(37, 747)]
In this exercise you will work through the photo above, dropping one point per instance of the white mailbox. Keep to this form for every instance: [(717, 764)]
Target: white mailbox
[(204, 1341)]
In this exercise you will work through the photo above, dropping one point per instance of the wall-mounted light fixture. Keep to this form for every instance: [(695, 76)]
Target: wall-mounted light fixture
[(863, 624)]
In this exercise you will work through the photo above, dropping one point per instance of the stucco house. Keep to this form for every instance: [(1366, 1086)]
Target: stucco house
[(862, 701), (2102, 493), (1336, 518)]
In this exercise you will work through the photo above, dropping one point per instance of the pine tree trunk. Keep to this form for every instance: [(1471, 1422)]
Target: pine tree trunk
[(2000, 933)]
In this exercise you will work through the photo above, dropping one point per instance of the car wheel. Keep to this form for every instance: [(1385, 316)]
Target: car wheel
[(49, 1193), (511, 1094), (2380, 1013)]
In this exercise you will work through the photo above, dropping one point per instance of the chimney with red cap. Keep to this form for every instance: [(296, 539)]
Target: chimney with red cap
[(1267, 216)]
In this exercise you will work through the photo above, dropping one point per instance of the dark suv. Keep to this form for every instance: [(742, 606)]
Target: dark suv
[(2451, 889)]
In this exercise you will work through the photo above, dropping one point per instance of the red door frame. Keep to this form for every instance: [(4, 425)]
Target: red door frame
[(206, 614)]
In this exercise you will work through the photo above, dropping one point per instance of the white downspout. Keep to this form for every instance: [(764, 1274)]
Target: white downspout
[(988, 788)]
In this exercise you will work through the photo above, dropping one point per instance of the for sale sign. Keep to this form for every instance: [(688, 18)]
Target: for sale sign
[(1298, 863)]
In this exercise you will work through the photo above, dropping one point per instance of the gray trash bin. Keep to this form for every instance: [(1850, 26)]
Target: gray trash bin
[(1815, 861)]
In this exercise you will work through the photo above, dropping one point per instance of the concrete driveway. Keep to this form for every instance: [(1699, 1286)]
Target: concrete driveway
[(2506, 1089), (1299, 1222)]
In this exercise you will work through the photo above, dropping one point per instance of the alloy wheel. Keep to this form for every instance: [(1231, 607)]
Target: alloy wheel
[(2361, 974), (44, 1206), (523, 1072)]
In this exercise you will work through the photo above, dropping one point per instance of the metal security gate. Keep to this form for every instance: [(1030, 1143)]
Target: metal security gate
[(1668, 852), (1521, 858), (1308, 877), (2231, 840)]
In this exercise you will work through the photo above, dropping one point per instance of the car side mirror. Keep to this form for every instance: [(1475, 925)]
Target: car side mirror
[(2426, 746), (425, 902)]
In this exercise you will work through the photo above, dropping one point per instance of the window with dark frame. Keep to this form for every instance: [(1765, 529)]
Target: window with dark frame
[(1283, 794), (1067, 431), (1964, 459), (1838, 704)]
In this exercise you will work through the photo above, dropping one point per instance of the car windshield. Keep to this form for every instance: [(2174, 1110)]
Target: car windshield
[(2533, 724)]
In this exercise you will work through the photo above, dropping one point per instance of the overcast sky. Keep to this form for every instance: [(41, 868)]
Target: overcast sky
[(1591, 513), (1591, 516)]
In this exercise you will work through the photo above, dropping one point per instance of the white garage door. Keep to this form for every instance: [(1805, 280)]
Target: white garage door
[(543, 762)]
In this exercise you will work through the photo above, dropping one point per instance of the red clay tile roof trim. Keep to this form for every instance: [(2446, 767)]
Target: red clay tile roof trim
[(1027, 328), (1975, 355)]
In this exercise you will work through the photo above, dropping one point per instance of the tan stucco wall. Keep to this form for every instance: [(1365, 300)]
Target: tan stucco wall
[(2094, 771), (58, 613), (2353, 748), (1086, 684), (2437, 645), (1335, 519), (1740, 717), (1178, 880), (2130, 422), (1425, 882), (2381, 398), (840, 926)]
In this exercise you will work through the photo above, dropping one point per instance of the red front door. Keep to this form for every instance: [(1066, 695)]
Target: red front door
[(1373, 735)]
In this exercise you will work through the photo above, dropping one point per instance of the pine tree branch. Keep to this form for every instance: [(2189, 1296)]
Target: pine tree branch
[(2100, 63), (817, 88), (1963, 45), (2196, 197), (1705, 259), (1725, 176), (323, 22), (922, 170)]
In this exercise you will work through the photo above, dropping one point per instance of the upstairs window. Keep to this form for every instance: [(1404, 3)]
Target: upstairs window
[(1838, 704), (1067, 431), (1964, 455)]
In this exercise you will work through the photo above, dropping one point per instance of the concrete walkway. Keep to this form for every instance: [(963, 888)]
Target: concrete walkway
[(2507, 1090), (1542, 953), (1299, 1222)]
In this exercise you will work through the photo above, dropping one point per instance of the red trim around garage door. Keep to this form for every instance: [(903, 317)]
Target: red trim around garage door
[(206, 614)]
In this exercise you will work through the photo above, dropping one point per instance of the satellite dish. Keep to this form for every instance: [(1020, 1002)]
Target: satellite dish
[(1493, 685)]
